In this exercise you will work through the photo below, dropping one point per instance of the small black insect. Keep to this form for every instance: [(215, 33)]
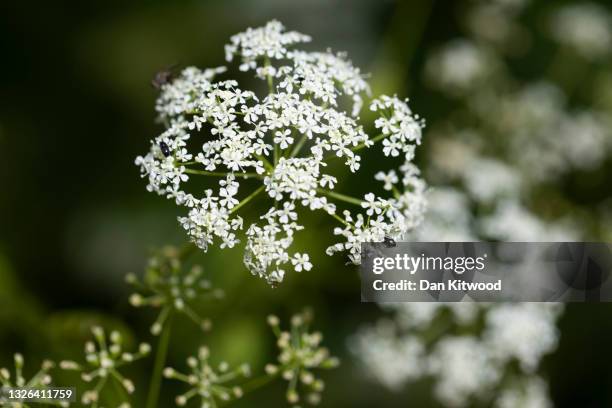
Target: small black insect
[(164, 149), (163, 77), (390, 242), (299, 79)]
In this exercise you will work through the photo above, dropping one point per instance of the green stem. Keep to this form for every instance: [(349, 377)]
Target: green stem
[(257, 383), (271, 91), (341, 197), (276, 154), (266, 163), (337, 217), (122, 394), (221, 174), (247, 199), (396, 192), (269, 77), (298, 146), (186, 251), (400, 43), (158, 368)]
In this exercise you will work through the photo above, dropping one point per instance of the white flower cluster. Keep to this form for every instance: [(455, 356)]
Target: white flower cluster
[(389, 358), (531, 392), (445, 341), (284, 140), (546, 139), (448, 217), (529, 322), (465, 367), (584, 27), (489, 179), (458, 67), (512, 222)]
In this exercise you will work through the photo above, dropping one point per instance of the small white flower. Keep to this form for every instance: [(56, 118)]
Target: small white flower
[(301, 262), (283, 138), (389, 179)]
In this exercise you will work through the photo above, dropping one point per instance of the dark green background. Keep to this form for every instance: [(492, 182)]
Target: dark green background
[(76, 107)]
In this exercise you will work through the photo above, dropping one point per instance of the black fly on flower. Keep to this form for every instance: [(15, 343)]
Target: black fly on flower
[(164, 76)]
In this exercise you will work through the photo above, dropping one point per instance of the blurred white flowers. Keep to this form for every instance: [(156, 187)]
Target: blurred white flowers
[(438, 340), (532, 323), (459, 66), (585, 27), (283, 140)]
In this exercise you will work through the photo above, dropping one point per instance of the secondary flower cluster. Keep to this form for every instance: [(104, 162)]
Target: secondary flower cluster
[(284, 141), (206, 382), (166, 286), (40, 380), (300, 354), (103, 358)]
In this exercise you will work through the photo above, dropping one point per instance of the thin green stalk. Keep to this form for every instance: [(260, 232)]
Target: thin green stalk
[(247, 199), (257, 383), (267, 63), (341, 197), (298, 146), (186, 250), (337, 217), (122, 394), (160, 362), (221, 174), (401, 39), (266, 163), (276, 154), (271, 91)]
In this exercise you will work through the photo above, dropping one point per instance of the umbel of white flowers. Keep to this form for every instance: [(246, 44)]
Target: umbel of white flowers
[(282, 140)]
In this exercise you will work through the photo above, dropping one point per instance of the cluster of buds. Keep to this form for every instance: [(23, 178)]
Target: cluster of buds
[(206, 382), (103, 359), (41, 379), (300, 354), (167, 287)]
